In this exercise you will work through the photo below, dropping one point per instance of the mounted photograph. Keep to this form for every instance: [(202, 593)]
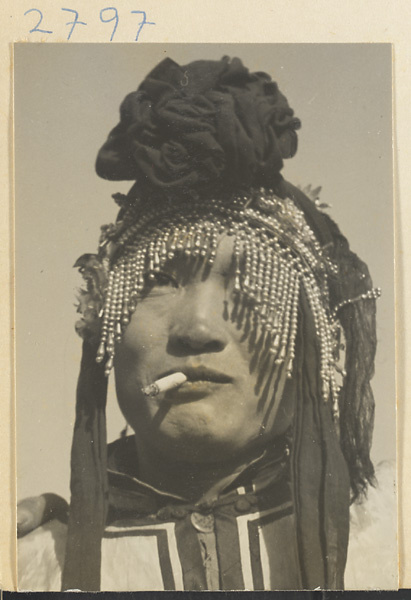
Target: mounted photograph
[(206, 401)]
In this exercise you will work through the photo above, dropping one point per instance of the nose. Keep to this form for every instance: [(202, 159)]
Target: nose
[(197, 325)]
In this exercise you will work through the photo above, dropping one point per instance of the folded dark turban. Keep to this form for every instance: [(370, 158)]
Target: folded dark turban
[(200, 128)]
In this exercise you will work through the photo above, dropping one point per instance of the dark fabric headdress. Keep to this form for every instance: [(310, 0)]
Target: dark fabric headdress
[(208, 129), (203, 128)]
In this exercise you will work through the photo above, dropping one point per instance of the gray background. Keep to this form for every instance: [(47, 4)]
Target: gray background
[(66, 101)]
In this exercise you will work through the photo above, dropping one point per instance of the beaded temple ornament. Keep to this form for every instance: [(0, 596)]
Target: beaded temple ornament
[(276, 258)]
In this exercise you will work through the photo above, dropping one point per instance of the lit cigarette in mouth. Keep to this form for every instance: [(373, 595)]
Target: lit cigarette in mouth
[(164, 384)]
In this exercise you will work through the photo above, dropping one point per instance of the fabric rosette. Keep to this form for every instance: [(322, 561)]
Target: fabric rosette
[(200, 128)]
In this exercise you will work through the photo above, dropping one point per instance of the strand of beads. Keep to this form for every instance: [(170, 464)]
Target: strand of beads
[(323, 329), (266, 279), (375, 293), (293, 325), (111, 330)]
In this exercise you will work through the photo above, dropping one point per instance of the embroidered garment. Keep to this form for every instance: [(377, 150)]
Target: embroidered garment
[(158, 541), (369, 563)]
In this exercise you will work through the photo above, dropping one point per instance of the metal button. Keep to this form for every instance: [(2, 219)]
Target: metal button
[(203, 523)]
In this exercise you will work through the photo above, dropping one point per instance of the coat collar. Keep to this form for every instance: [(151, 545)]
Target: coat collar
[(129, 495)]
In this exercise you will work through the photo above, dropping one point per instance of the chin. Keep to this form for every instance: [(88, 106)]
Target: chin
[(199, 441)]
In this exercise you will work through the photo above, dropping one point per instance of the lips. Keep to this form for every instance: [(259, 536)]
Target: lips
[(200, 373), (203, 373)]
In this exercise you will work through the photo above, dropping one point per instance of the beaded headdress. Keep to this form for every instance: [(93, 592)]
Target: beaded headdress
[(205, 144), (275, 253)]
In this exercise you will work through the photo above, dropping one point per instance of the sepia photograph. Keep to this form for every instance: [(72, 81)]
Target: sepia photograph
[(204, 312)]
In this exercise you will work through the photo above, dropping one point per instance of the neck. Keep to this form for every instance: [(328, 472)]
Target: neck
[(192, 481)]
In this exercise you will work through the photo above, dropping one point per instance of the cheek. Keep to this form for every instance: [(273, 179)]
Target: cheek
[(147, 332), (139, 355)]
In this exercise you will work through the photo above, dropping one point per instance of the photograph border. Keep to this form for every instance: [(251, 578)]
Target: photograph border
[(382, 27)]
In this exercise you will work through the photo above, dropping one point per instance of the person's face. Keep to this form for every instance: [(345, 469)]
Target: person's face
[(189, 320)]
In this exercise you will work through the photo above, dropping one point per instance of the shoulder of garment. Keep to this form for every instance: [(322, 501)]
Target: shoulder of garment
[(41, 557), (372, 561)]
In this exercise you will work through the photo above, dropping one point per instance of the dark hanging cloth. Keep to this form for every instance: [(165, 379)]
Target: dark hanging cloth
[(89, 487), (319, 473), (358, 320)]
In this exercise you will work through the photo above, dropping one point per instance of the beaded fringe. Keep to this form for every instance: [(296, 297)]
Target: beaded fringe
[(275, 255)]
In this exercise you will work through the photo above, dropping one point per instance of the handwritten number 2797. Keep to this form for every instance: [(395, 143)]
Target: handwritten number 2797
[(107, 15)]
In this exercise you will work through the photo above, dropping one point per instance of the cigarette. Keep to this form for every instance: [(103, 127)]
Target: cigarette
[(164, 384)]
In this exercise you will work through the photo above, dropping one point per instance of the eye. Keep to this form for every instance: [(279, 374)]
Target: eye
[(160, 279)]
